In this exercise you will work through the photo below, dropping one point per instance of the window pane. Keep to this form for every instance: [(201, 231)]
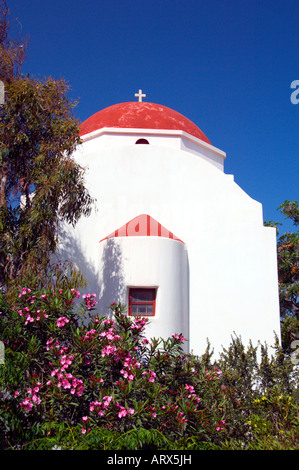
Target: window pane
[(134, 310), (149, 310), (143, 310), (142, 295), (142, 301)]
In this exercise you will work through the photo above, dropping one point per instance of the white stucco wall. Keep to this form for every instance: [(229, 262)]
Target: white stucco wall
[(232, 257), (171, 139), (155, 262)]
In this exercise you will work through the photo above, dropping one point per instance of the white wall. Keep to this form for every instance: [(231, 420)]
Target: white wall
[(232, 257), (144, 261), (171, 139)]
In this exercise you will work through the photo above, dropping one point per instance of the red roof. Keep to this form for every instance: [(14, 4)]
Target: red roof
[(143, 226), (141, 115)]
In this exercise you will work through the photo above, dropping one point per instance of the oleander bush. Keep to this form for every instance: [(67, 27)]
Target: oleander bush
[(75, 379)]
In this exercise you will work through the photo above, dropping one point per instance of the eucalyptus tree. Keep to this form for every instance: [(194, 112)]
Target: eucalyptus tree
[(40, 182)]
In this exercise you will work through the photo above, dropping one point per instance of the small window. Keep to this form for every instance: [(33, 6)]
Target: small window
[(142, 141), (142, 302)]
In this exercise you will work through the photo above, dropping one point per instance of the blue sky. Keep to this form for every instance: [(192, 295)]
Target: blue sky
[(227, 65)]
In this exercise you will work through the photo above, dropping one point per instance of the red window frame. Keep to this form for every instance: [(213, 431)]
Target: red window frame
[(152, 291)]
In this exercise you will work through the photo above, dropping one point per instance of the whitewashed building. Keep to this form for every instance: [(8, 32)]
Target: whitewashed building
[(172, 236)]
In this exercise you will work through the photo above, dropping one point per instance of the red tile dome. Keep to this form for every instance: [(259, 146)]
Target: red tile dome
[(141, 115)]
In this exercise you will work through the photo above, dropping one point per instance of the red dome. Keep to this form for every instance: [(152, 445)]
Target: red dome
[(141, 115)]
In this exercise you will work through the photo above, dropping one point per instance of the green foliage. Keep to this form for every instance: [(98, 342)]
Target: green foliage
[(73, 379), (288, 272), (101, 384), (37, 138), (40, 182), (67, 438)]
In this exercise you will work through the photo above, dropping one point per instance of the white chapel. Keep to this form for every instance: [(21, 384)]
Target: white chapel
[(172, 236)]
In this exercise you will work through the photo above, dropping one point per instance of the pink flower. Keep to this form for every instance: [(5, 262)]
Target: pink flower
[(190, 388), (31, 299), (127, 375), (179, 337), (50, 344), (89, 300), (36, 399), (152, 376), (110, 335), (76, 293), (24, 291), (65, 383), (138, 324), (26, 404), (80, 390), (108, 399), (181, 418), (89, 335), (108, 321), (61, 321), (123, 412), (221, 426), (106, 351), (100, 407), (29, 319), (65, 361)]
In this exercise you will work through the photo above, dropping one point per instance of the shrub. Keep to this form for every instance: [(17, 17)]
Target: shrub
[(74, 379)]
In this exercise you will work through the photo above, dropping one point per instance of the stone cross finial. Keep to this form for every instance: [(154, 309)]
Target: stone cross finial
[(140, 95)]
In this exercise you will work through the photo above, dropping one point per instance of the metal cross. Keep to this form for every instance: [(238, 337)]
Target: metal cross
[(140, 95)]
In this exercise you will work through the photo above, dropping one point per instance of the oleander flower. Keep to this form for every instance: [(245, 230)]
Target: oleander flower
[(90, 300), (61, 321)]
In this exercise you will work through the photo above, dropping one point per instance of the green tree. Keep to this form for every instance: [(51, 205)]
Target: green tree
[(40, 183), (288, 274)]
